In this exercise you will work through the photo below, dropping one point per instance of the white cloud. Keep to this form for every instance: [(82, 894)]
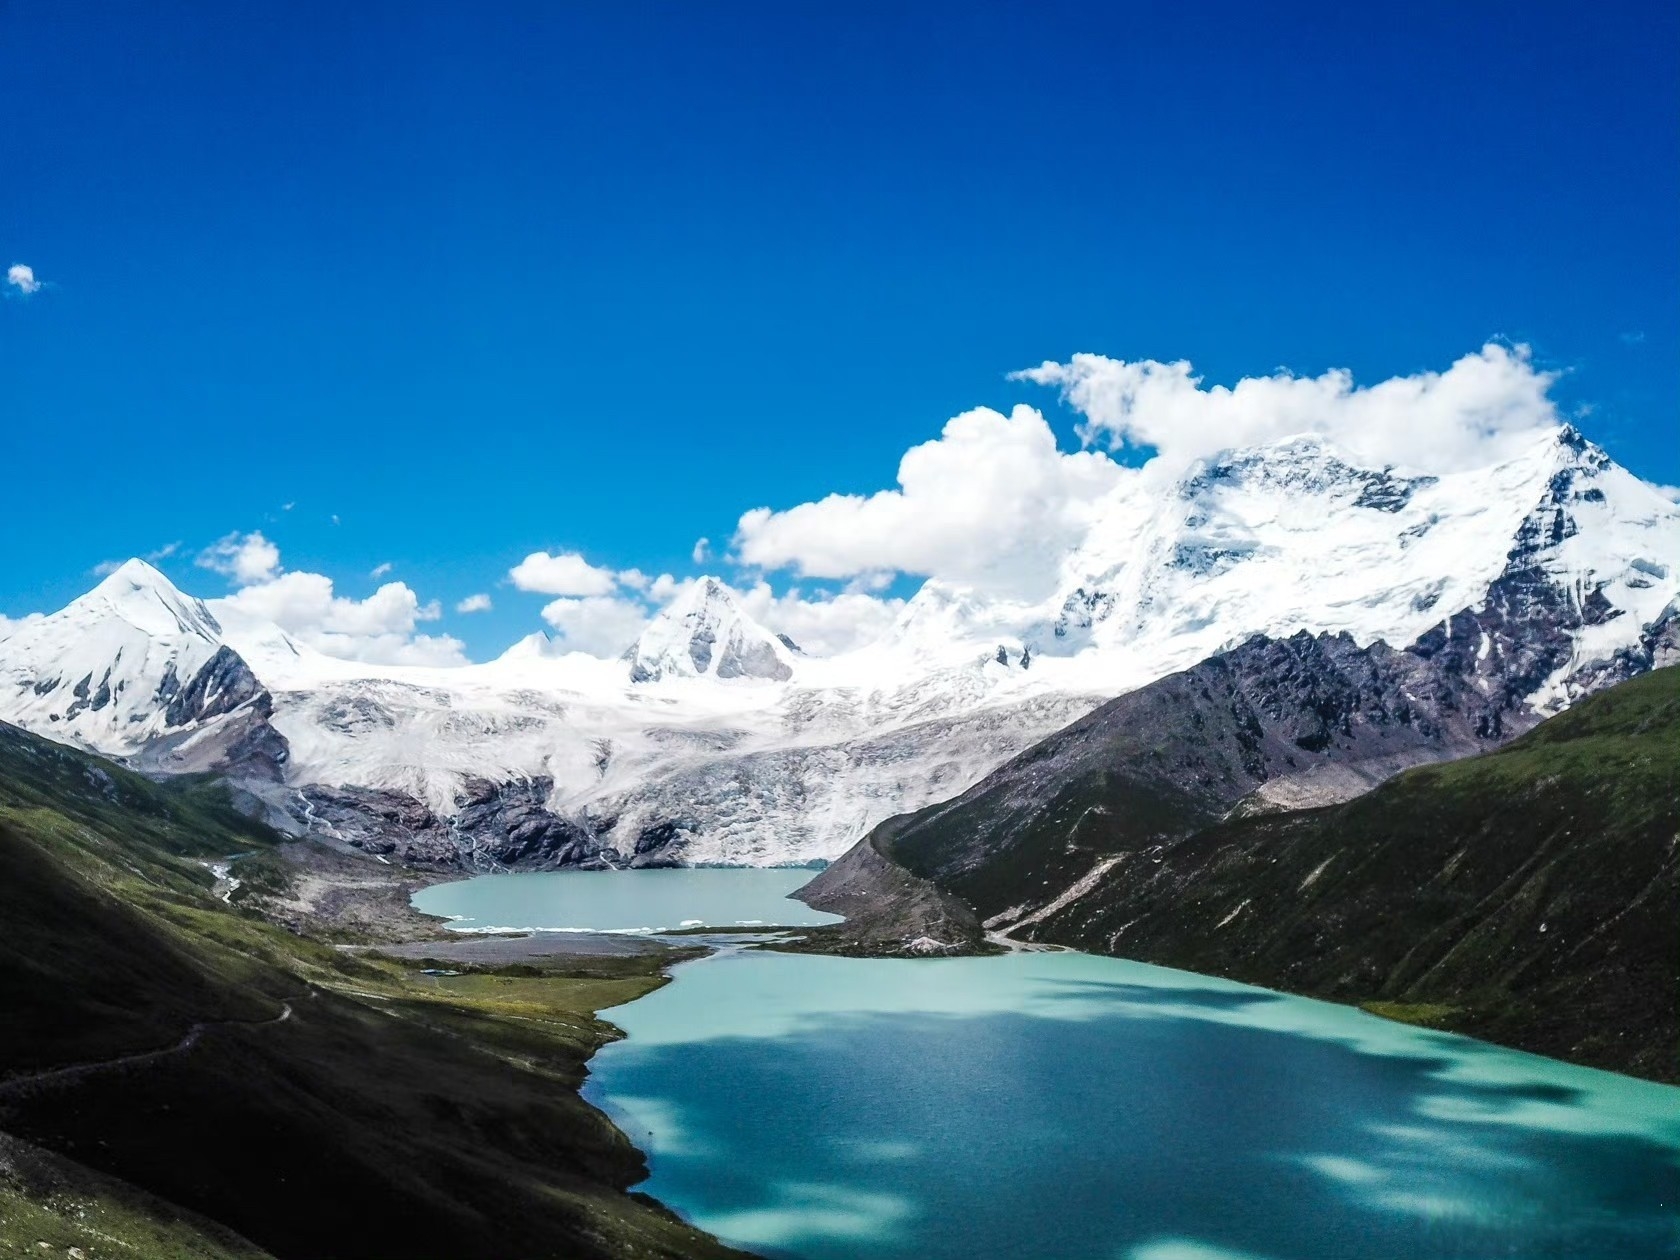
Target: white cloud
[(664, 587), (991, 501), (602, 625), (21, 277), (473, 604), (1473, 414), (380, 570), (822, 624), (1669, 492), (380, 628), (246, 558), (565, 574), (635, 579), (702, 551), (8, 625)]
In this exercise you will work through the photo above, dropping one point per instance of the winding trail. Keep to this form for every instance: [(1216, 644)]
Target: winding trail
[(79, 1071)]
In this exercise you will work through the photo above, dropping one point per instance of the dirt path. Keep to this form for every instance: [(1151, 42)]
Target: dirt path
[(79, 1071)]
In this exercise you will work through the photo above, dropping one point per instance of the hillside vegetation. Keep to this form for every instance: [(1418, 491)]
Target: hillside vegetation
[(1529, 895), (179, 1077)]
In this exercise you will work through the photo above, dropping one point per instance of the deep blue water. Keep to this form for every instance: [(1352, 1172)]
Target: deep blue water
[(1062, 1105)]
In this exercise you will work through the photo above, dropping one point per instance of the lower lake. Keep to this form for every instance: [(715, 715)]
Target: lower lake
[(1059, 1106)]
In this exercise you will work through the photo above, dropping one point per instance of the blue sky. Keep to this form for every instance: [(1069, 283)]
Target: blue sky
[(460, 283)]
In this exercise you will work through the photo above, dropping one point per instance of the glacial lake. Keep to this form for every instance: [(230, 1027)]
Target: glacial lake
[(1058, 1106), (623, 901)]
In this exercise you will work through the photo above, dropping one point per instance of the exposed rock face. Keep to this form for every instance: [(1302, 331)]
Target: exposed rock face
[(241, 744), (496, 825), (1269, 725), (221, 685), (510, 823)]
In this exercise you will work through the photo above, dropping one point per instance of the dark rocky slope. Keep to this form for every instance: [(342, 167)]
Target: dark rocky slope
[(1530, 895), (1127, 830), (1320, 716)]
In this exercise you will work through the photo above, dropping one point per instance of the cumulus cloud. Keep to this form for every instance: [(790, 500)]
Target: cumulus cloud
[(991, 501), (380, 629), (702, 551), (474, 604), (822, 624), (602, 625), (380, 570), (21, 277), (246, 558), (564, 574), (1474, 413)]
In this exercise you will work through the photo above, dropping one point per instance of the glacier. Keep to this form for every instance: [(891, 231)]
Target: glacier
[(714, 739)]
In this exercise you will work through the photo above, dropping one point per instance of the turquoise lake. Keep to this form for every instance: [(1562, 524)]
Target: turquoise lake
[(1064, 1106), (623, 901)]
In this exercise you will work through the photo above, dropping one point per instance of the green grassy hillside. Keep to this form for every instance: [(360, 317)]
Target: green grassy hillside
[(1529, 895), (180, 1077)]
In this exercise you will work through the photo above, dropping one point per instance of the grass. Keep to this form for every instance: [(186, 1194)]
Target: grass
[(389, 1114), (1424, 1014), (1530, 896)]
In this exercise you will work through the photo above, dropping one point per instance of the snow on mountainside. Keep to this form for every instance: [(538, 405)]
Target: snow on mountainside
[(1291, 537), (127, 663), (705, 633), (714, 739)]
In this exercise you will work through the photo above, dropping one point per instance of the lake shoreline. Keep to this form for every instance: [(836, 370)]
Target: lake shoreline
[(362, 907)]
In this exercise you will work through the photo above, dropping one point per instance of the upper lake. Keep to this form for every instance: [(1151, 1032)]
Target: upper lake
[(623, 901)]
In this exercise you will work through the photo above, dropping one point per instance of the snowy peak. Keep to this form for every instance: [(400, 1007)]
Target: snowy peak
[(705, 633), (131, 660), (1297, 535), (138, 594), (1302, 465)]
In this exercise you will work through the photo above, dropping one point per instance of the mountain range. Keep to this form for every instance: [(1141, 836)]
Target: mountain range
[(1402, 617)]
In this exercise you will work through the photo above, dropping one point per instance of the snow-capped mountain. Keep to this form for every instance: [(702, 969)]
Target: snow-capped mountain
[(132, 662), (1291, 536), (705, 633), (715, 739)]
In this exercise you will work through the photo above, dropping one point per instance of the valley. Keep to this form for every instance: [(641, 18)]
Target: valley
[(1419, 762), (1527, 894)]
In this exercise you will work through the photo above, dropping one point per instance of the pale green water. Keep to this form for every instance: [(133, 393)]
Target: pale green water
[(622, 901), (1062, 1105)]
